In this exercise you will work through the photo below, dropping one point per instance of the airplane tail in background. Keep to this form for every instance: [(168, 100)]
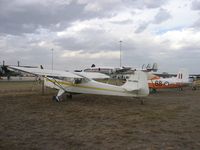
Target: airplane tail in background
[(137, 82), (150, 67), (183, 75), (155, 67)]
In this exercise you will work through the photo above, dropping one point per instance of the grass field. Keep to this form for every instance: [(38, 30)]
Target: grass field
[(29, 120), (21, 85)]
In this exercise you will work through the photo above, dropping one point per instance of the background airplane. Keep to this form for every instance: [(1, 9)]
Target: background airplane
[(181, 80), (120, 70)]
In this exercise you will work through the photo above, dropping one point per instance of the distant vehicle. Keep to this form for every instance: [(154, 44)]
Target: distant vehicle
[(83, 83), (181, 80)]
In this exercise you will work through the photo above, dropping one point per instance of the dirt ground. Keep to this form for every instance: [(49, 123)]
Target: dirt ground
[(169, 120)]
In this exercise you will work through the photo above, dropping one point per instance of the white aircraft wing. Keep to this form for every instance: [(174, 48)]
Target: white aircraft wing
[(92, 75), (45, 72)]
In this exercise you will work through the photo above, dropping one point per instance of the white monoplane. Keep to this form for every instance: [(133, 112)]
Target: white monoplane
[(84, 83)]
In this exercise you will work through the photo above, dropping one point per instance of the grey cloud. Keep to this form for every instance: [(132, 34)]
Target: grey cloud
[(19, 19), (88, 39), (196, 24), (14, 48), (162, 16), (145, 3), (196, 5), (142, 27), (187, 57), (154, 3), (128, 21)]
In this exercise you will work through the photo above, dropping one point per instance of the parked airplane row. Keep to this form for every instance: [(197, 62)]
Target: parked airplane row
[(154, 82)]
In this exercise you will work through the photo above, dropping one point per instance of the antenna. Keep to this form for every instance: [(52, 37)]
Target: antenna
[(52, 60), (120, 47)]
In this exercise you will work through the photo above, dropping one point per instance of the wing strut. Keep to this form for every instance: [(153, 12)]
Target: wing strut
[(61, 89)]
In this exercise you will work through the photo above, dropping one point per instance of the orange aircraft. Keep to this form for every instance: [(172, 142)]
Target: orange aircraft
[(181, 80)]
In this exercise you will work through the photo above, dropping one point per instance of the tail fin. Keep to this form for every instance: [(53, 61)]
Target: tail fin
[(149, 68), (183, 75), (137, 83), (41, 67), (155, 67)]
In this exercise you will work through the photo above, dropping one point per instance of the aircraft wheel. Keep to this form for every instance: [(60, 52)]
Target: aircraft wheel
[(55, 98), (152, 90), (194, 88)]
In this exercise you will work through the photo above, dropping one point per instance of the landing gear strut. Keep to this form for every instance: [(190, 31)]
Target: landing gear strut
[(153, 91), (56, 98)]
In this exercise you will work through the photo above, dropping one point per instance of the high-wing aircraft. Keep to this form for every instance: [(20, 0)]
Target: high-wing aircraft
[(83, 82), (181, 80)]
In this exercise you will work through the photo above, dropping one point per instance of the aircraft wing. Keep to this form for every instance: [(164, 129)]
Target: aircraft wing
[(45, 72), (92, 75)]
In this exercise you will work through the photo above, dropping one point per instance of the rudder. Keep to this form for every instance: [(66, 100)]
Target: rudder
[(137, 82)]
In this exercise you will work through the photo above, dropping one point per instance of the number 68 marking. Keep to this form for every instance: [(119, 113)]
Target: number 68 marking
[(159, 83)]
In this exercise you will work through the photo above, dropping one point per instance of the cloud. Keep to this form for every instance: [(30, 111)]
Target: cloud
[(142, 27), (20, 17), (83, 32), (161, 16), (154, 3), (196, 24), (91, 55), (182, 39), (196, 5), (97, 6)]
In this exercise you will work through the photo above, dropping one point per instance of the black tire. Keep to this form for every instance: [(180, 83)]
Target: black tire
[(54, 98), (194, 88)]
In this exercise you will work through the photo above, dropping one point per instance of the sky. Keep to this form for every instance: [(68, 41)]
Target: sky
[(86, 32)]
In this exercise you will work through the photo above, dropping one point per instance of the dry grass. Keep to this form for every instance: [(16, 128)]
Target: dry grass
[(168, 120)]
